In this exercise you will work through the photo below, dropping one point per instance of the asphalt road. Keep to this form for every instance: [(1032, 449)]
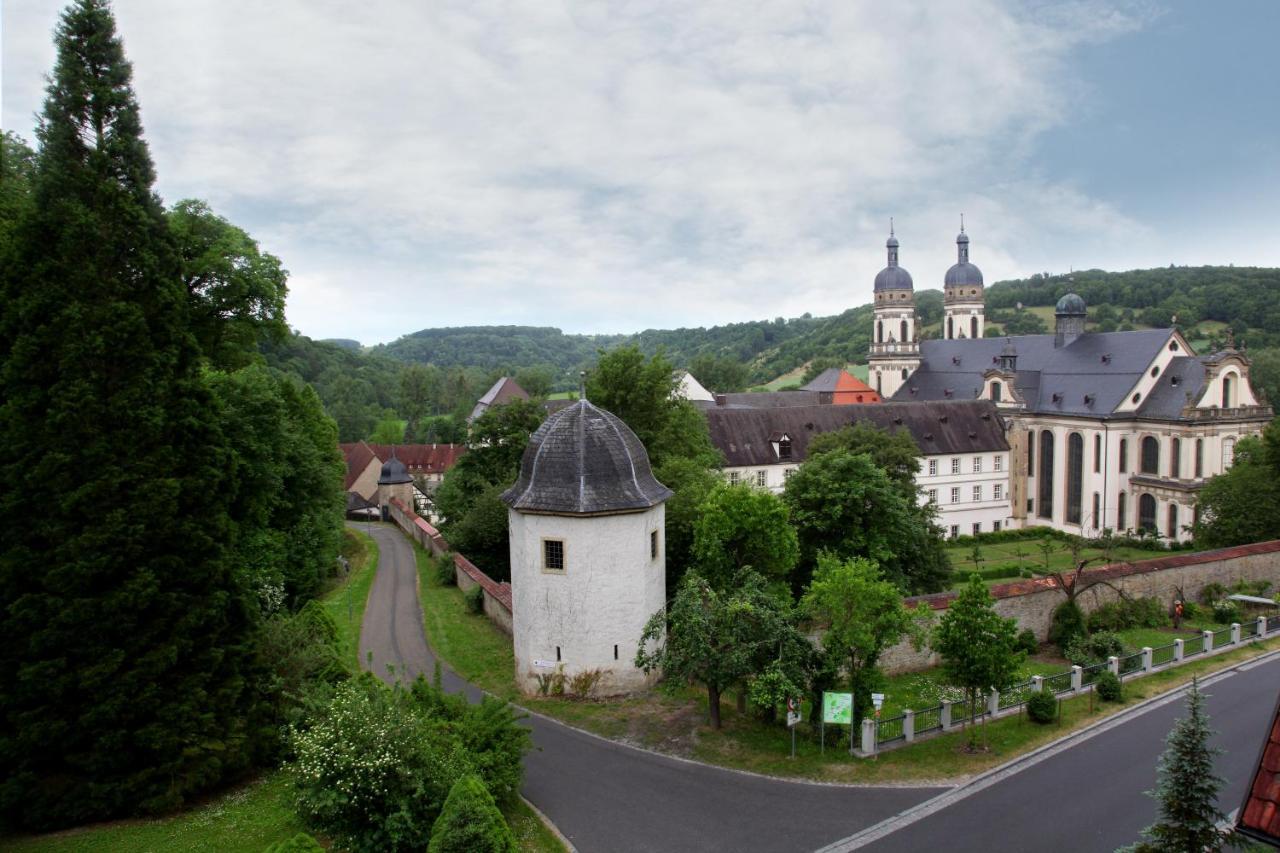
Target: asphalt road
[(607, 797), (1090, 797)]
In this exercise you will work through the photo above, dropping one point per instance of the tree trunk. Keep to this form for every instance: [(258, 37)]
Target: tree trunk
[(713, 705)]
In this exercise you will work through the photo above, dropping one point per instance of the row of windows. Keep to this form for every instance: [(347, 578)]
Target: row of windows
[(1148, 455), (553, 552), (997, 464), (758, 478), (976, 529), (997, 493)]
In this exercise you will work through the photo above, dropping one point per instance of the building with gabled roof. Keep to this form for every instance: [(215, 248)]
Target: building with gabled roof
[(504, 390), (840, 387)]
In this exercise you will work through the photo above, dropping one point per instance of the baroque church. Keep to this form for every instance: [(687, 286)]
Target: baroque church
[(1106, 430)]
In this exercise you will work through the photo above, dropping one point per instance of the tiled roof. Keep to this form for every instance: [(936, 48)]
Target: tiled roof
[(763, 400), (837, 379), (503, 391), (746, 436), (1259, 817), (357, 455), (422, 458)]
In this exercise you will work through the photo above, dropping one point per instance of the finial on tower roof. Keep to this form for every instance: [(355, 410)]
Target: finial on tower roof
[(962, 223), (890, 226)]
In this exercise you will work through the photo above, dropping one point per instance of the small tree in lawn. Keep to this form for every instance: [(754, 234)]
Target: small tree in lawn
[(864, 615), (979, 647), (716, 639), (1187, 789)]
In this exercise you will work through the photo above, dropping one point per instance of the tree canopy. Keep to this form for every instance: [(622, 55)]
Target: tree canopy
[(740, 528), (1242, 504)]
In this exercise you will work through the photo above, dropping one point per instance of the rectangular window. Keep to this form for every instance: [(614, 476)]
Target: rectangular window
[(933, 496), (997, 462), (933, 467), (734, 478), (997, 491), (977, 528), (977, 493), (1199, 457), (1031, 453), (955, 494), (653, 544), (615, 651), (977, 464), (786, 473), (553, 555), (762, 478), (955, 465), (995, 526), (1097, 509), (1097, 454), (955, 531)]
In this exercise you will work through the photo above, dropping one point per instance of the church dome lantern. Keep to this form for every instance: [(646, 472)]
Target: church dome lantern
[(893, 277)]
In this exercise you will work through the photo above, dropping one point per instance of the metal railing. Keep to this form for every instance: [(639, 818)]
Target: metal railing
[(1222, 638), (890, 730), (1273, 624), (1012, 697), (1162, 655), (1089, 674), (962, 712), (1059, 683), (1192, 646), (1131, 663), (928, 720), (1249, 629)]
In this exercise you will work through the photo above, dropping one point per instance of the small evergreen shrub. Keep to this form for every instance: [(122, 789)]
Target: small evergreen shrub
[(1042, 707), (300, 843), (1108, 687), (1066, 626), (1095, 648), (475, 599), (1027, 641), (446, 573), (470, 822), (1225, 612)]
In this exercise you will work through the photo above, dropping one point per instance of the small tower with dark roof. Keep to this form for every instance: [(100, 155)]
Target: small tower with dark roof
[(588, 567), (394, 482), (895, 345), (1069, 318), (962, 295)]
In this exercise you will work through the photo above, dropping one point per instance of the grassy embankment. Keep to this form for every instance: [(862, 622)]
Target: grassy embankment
[(253, 815), (1027, 553), (676, 723)]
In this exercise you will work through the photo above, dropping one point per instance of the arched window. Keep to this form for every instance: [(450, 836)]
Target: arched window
[(1150, 455), (1199, 457), (1173, 521), (878, 390), (1124, 455), (879, 331), (1147, 512), (1175, 458), (951, 330), (1097, 454), (1096, 521), (1031, 453), (1046, 474), (903, 336), (1075, 477), (1228, 392), (973, 327), (904, 373), (995, 391), (1228, 452), (1121, 506)]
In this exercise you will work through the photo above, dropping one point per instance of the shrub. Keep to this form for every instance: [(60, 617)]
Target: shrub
[(1027, 641), (300, 843), (584, 682), (1109, 687), (446, 572), (475, 599), (1042, 707), (1094, 648), (1225, 612), (1211, 592), (1128, 613), (470, 822), (1066, 626)]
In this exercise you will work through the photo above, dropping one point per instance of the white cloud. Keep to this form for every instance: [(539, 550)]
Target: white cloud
[(606, 166)]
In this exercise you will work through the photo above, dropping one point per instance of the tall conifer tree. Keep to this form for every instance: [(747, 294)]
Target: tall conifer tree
[(122, 630)]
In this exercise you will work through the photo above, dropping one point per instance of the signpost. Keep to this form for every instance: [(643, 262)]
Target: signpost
[(544, 664), (793, 717), (837, 708)]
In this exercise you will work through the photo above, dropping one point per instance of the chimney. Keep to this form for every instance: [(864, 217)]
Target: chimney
[(721, 399)]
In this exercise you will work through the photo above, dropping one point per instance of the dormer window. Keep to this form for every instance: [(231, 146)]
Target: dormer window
[(784, 447)]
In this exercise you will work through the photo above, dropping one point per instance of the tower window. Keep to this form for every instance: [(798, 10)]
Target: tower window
[(553, 555), (653, 544), (615, 651)]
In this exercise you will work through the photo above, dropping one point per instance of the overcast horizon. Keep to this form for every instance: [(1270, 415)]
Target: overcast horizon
[(607, 168)]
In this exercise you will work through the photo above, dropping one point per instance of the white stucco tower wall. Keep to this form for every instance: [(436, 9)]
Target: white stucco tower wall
[(588, 569), (895, 342)]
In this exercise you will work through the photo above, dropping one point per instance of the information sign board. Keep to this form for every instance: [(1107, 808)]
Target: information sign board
[(837, 708)]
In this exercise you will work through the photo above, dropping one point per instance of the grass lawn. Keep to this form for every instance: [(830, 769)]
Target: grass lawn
[(1028, 553), (345, 600), (677, 723)]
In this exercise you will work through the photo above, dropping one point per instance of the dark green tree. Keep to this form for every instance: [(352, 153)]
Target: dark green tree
[(722, 375), (1242, 504), (17, 169), (739, 527), (125, 633), (419, 395), (895, 452), (470, 822), (1187, 791), (691, 482)]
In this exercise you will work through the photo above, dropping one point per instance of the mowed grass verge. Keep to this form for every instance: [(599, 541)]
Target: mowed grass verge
[(677, 723), (345, 600)]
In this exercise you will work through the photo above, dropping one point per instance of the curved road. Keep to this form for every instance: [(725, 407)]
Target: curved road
[(1084, 795), (607, 797)]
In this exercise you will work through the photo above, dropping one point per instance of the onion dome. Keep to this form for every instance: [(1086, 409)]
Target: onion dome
[(394, 473), (584, 460), (963, 272), (1071, 304), (893, 277)]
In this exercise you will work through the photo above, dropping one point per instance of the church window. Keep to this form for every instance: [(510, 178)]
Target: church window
[(1124, 455), (977, 493), (1175, 458), (997, 491), (653, 544), (1228, 392), (933, 467), (951, 332), (903, 336), (995, 391), (1046, 474), (1199, 457), (1121, 521), (977, 464), (1097, 454), (997, 462), (904, 373), (1228, 452), (1147, 512), (955, 494), (1173, 521), (955, 465), (1075, 477), (879, 331), (553, 555), (1150, 455), (1097, 509), (1031, 453), (973, 325)]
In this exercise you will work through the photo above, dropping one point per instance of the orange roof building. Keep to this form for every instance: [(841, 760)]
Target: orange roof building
[(841, 387)]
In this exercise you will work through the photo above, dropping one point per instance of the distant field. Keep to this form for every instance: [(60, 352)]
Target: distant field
[(792, 377)]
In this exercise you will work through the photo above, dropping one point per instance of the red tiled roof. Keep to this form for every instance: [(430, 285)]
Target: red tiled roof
[(1260, 815), (422, 458), (357, 455)]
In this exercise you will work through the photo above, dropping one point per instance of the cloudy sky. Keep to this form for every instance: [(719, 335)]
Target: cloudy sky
[(607, 167)]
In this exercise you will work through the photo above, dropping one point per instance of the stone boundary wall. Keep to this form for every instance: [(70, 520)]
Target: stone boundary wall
[(497, 596), (1031, 602)]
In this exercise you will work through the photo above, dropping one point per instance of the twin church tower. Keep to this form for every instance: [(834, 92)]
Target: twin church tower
[(895, 341)]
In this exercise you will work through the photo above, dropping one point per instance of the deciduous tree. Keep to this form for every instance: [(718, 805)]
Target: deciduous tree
[(739, 527)]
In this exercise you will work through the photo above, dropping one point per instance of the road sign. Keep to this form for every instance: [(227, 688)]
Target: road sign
[(877, 699), (545, 664), (837, 708), (793, 705), (792, 718)]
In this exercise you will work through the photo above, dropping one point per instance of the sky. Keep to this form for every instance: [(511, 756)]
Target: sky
[(615, 166)]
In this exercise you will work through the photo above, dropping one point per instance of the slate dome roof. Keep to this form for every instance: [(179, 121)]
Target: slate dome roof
[(393, 473), (1070, 304), (893, 278), (584, 460), (965, 273)]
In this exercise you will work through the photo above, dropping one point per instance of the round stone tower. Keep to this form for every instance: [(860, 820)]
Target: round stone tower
[(962, 295), (394, 482), (586, 519)]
